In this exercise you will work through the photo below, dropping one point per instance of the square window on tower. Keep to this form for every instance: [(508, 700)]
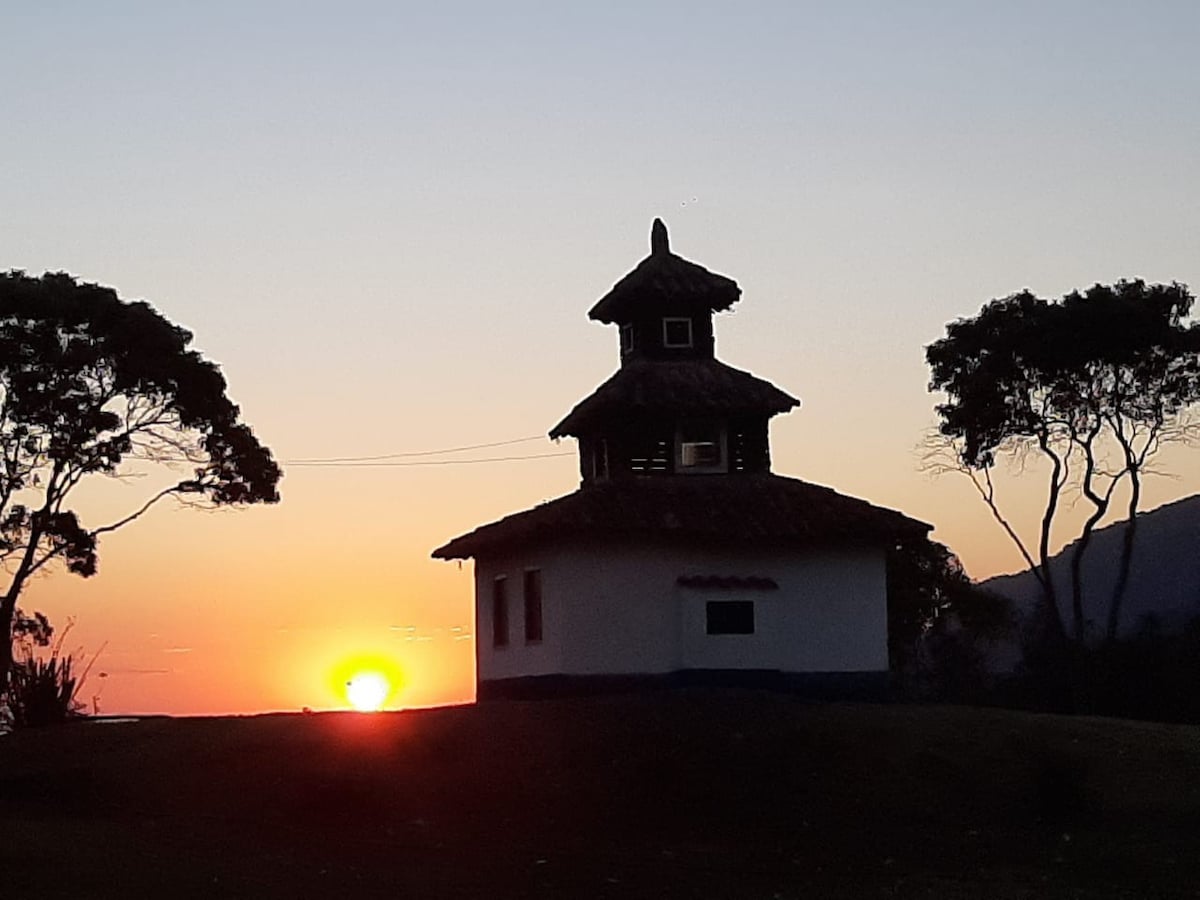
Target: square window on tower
[(677, 333)]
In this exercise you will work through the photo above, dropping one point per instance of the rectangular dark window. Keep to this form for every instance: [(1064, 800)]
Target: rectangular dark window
[(533, 606), (677, 332), (500, 612), (730, 616), (626, 338)]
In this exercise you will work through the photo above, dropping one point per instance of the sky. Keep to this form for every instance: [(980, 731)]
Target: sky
[(387, 222)]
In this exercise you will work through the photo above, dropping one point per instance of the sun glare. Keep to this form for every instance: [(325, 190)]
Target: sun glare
[(367, 691)]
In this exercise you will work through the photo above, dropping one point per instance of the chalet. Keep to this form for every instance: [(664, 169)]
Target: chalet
[(681, 554)]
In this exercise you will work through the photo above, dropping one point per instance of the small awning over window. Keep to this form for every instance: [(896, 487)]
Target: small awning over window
[(728, 582)]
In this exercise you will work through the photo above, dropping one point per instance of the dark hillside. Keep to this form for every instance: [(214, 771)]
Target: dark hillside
[(691, 793), (1164, 577)]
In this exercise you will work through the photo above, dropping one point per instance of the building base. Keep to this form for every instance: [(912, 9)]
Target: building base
[(861, 686)]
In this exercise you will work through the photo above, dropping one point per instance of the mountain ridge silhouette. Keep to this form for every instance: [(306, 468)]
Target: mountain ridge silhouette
[(1164, 579)]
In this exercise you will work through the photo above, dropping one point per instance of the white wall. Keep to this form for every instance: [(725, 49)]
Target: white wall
[(617, 609), (519, 657)]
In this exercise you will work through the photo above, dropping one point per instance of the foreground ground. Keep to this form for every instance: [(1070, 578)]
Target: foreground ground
[(696, 793)]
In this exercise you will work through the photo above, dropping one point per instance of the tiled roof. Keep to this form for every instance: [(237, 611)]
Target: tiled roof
[(662, 277), (692, 387), (732, 510)]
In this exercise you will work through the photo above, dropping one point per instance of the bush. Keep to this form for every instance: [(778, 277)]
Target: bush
[(941, 626), (1153, 674), (42, 691), (43, 685)]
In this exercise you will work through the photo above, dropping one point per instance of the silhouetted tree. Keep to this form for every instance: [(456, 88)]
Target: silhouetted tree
[(1094, 384), (93, 385)]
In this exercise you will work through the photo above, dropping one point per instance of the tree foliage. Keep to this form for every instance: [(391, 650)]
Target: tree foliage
[(94, 385), (36, 628), (939, 622), (1093, 384)]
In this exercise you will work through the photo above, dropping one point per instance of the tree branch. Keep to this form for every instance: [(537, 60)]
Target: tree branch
[(138, 513)]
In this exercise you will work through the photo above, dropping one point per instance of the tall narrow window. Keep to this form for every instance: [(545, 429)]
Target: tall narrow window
[(533, 606), (500, 612), (626, 338), (600, 459)]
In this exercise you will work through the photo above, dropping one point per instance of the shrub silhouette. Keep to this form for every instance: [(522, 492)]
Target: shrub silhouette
[(42, 691)]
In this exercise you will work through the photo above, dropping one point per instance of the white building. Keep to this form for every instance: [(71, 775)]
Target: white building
[(681, 555)]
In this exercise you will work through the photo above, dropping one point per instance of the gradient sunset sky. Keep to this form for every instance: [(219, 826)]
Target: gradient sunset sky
[(387, 222)]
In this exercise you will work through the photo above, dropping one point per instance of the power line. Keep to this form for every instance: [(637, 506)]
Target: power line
[(368, 463), (322, 460)]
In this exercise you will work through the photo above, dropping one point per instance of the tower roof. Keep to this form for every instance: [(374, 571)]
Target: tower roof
[(663, 277), (692, 387)]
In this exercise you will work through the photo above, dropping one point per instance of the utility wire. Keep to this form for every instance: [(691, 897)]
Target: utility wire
[(322, 460), (386, 463)]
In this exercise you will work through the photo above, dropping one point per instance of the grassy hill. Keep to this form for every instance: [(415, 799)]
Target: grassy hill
[(690, 793)]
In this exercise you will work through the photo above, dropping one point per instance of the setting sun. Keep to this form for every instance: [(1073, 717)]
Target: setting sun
[(367, 691), (366, 681)]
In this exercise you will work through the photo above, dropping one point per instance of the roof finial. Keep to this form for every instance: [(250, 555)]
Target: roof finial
[(659, 242)]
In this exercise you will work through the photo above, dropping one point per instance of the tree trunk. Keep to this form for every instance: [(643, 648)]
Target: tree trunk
[(1049, 592), (1125, 564), (1077, 553), (1070, 669), (8, 606), (8, 603)]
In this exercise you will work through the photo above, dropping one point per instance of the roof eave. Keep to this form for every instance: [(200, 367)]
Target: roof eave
[(574, 424), (721, 293), (469, 546)]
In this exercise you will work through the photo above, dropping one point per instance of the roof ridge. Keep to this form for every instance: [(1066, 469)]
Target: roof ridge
[(763, 509)]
